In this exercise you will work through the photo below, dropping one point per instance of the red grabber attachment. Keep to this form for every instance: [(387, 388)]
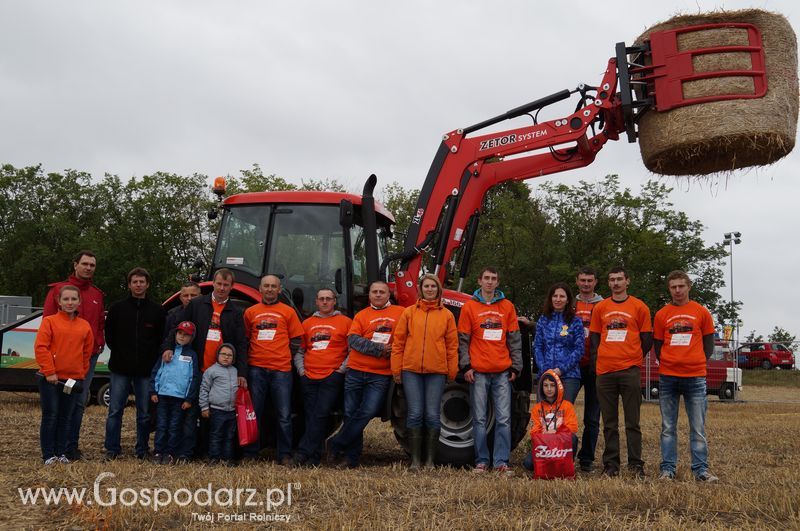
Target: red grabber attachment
[(665, 69)]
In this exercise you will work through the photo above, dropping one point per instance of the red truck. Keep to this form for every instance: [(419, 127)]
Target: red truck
[(723, 377)]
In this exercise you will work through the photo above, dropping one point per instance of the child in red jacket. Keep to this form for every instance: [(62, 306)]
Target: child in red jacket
[(552, 414), (63, 347)]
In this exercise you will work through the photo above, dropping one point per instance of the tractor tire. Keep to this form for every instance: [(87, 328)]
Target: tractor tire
[(456, 443)]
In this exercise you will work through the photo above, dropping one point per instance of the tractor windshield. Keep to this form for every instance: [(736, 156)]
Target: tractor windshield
[(305, 245), (307, 250)]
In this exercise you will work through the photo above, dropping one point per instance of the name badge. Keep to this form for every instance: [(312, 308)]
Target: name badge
[(319, 345), (493, 334), (185, 359), (266, 335), (214, 335), (616, 336), (680, 340), (381, 337)]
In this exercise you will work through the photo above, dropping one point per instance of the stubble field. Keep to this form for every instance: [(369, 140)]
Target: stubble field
[(754, 449)]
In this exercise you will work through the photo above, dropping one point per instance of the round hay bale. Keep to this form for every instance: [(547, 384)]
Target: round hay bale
[(724, 135)]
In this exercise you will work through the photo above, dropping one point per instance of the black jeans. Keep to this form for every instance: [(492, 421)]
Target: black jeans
[(222, 432), (591, 415), (610, 387)]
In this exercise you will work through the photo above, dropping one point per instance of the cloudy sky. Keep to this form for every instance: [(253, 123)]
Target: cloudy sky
[(344, 89)]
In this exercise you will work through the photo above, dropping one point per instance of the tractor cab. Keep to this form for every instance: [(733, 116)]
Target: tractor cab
[(311, 240)]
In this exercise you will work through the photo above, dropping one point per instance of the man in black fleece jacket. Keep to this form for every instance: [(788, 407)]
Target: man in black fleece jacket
[(134, 329), (217, 320)]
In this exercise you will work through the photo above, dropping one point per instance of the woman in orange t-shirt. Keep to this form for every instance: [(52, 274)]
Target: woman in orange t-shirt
[(63, 347), (424, 357)]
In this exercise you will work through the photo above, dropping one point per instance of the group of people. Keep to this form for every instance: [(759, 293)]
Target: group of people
[(191, 362), (599, 344)]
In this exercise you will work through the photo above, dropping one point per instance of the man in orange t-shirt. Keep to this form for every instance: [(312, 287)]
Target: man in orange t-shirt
[(620, 335), (684, 340), (369, 372), (490, 354), (321, 365), (275, 336)]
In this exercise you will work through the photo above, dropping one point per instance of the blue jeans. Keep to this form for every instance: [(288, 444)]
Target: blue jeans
[(423, 398), (120, 389), (319, 398), (695, 400), (527, 463), (496, 386), (169, 425), (591, 416), (222, 432), (80, 406), (278, 386), (57, 409), (364, 396)]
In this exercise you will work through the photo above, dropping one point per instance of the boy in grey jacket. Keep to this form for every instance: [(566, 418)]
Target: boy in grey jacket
[(218, 404)]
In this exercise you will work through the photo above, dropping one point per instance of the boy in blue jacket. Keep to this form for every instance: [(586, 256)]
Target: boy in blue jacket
[(172, 386)]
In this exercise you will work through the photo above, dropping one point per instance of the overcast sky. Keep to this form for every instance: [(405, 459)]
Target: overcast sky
[(344, 89)]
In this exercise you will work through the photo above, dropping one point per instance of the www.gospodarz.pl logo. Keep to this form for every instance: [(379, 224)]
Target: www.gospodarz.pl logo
[(156, 498)]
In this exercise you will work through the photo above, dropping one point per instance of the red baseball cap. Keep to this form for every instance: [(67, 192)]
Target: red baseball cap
[(186, 327)]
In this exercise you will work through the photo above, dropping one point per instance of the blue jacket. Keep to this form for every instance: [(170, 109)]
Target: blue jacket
[(179, 378), (559, 345)]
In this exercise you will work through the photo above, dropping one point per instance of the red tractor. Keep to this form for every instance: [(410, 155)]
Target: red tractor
[(337, 240)]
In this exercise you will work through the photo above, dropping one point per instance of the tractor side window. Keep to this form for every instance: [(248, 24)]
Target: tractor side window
[(307, 251), (360, 280), (241, 239)]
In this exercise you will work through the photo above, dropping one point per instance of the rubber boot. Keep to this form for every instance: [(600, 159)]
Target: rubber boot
[(431, 442), (415, 443)]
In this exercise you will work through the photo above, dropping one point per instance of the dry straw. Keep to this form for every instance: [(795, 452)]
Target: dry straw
[(725, 135)]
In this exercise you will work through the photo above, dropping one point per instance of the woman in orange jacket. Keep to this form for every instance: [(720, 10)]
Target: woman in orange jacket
[(63, 347), (424, 358)]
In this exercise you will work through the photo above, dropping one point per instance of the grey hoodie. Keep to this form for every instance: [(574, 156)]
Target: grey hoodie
[(218, 388)]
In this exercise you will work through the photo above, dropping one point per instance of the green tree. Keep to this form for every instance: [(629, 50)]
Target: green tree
[(779, 335), (603, 225), (402, 203), (753, 338)]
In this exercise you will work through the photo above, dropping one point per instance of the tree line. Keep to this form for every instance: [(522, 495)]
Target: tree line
[(160, 221)]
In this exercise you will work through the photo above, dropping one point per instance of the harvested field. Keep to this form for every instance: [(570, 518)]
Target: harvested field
[(755, 449)]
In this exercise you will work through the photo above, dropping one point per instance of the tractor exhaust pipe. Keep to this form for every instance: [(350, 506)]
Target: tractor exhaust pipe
[(370, 228)]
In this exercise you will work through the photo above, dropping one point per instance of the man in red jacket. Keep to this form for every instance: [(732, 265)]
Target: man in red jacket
[(91, 309)]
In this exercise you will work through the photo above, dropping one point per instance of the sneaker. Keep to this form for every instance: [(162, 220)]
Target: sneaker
[(157, 458), (110, 456), (611, 471), (505, 470), (287, 461), (51, 461), (181, 460), (586, 466), (167, 459), (63, 459), (706, 477), (480, 468), (666, 475), (141, 456)]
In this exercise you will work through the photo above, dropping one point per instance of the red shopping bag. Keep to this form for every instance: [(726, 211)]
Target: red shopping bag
[(246, 420), (552, 455)]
